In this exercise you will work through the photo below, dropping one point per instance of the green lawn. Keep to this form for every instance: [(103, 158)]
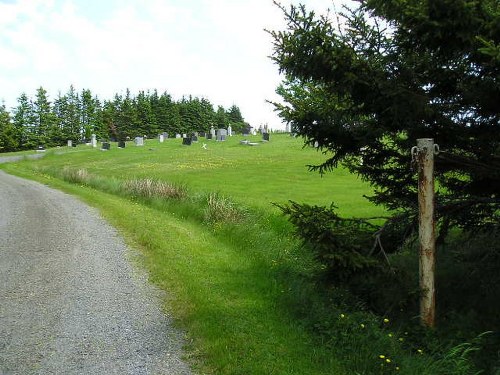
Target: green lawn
[(253, 176), (229, 284)]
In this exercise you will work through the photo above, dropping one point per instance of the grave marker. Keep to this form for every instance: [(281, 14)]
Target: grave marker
[(139, 141), (221, 135)]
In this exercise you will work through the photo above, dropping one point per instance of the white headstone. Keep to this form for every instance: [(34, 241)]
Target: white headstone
[(178, 135), (70, 143), (162, 138), (212, 131), (94, 140), (229, 131), (139, 141)]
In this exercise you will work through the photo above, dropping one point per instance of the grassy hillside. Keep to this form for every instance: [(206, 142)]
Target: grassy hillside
[(235, 279), (253, 176)]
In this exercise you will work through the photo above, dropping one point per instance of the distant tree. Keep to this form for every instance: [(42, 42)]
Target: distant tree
[(166, 112), (221, 118), (24, 123), (8, 139), (235, 118), (66, 108), (147, 120), (90, 115), (393, 71), (207, 115), (47, 130), (126, 117), (109, 120)]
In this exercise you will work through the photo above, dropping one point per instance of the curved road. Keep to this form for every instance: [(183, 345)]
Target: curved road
[(70, 301)]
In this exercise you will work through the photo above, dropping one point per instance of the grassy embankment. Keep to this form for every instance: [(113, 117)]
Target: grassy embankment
[(229, 265)]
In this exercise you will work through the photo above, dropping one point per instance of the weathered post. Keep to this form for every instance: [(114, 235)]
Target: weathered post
[(424, 154)]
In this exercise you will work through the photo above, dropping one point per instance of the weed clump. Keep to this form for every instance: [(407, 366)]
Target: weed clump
[(220, 209), (149, 188)]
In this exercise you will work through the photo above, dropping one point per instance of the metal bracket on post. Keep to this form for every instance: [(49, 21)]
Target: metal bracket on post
[(423, 155)]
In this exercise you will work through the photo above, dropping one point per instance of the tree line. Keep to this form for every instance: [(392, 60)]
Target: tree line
[(77, 115)]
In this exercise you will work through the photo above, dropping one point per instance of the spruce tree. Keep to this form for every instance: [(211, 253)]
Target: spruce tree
[(366, 88)]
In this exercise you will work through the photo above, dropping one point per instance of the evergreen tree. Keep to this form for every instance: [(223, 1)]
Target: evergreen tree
[(127, 119), (46, 127), (235, 118), (147, 120), (90, 116), (109, 121), (8, 139), (221, 119), (66, 109), (24, 123), (389, 73)]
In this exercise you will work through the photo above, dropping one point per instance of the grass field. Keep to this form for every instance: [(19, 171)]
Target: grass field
[(230, 267), (252, 176)]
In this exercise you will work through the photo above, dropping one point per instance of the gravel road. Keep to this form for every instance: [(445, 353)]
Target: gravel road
[(70, 300)]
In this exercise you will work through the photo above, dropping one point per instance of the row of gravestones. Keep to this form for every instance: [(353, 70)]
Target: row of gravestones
[(219, 135)]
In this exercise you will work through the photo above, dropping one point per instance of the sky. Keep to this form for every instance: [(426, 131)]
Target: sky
[(215, 49)]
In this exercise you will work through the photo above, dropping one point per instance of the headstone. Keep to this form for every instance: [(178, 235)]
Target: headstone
[(244, 142), (184, 135), (139, 141), (105, 146), (178, 135), (212, 132), (194, 138), (202, 134), (94, 140), (74, 144), (40, 149), (209, 136), (229, 131), (121, 144), (221, 134), (70, 143), (165, 135), (161, 137), (265, 137), (186, 141), (254, 132)]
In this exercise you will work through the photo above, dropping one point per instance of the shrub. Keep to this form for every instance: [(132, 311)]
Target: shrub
[(343, 247)]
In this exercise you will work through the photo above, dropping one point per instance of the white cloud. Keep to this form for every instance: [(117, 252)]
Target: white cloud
[(212, 48)]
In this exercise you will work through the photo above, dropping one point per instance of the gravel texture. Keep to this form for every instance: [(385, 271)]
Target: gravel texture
[(70, 300)]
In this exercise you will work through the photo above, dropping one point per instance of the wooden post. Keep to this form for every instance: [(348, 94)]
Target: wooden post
[(426, 230)]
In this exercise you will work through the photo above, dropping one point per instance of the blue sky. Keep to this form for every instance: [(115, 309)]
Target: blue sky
[(215, 49)]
